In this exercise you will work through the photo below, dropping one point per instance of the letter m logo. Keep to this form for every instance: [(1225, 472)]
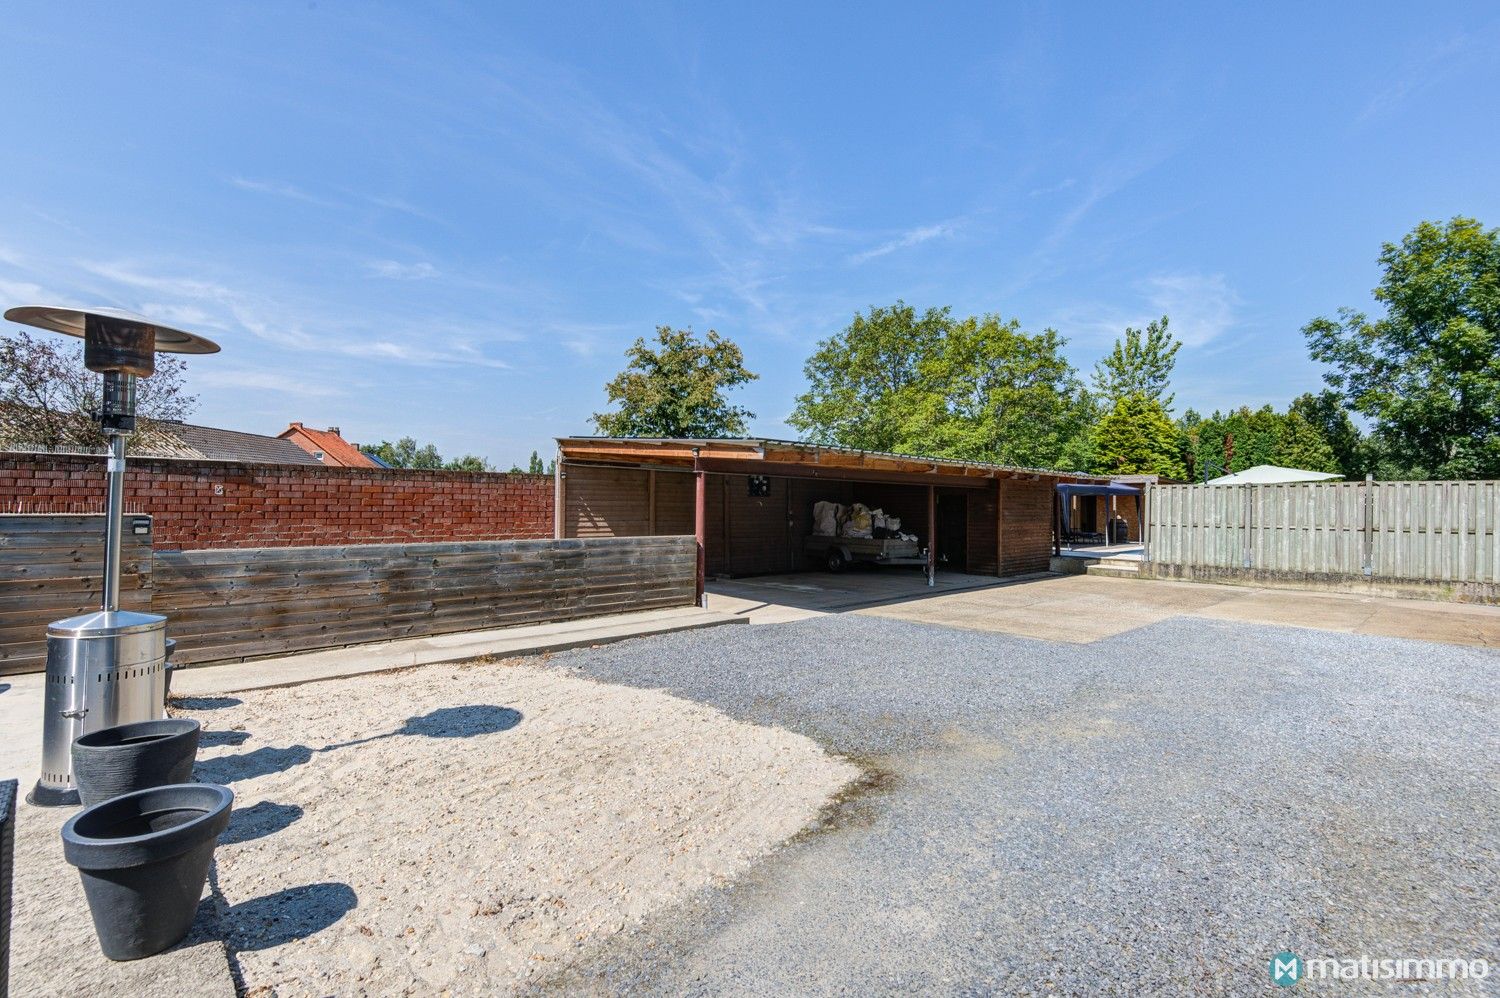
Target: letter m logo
[(1286, 969)]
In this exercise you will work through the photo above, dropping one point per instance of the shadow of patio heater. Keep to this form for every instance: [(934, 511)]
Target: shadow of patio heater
[(104, 668)]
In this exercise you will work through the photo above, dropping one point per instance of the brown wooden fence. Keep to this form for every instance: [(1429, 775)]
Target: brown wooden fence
[(50, 568), (250, 602)]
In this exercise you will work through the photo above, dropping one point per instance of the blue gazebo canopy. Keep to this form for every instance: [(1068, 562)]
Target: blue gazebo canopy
[(1066, 492)]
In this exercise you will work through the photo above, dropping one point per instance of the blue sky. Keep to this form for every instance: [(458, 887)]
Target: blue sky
[(450, 221)]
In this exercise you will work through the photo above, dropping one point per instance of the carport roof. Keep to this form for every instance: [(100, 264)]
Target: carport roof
[(792, 458)]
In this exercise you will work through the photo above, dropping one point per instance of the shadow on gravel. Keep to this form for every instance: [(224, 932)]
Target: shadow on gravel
[(265, 818), (286, 916), (213, 739), (205, 703)]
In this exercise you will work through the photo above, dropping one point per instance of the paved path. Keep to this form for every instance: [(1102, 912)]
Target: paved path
[(1156, 812), (1083, 608)]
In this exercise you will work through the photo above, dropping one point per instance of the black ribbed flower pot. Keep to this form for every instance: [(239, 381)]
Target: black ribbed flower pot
[(144, 860), (129, 757)]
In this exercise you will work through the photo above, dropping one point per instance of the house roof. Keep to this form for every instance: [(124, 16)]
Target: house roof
[(234, 445), (793, 458), (171, 439), (336, 451)]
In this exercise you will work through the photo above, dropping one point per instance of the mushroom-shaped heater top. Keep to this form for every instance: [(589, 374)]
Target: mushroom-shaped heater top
[(117, 344), (113, 339)]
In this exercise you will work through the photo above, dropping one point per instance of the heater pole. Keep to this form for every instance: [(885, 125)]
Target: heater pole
[(114, 516)]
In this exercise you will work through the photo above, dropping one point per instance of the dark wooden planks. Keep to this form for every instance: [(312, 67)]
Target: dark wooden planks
[(233, 604), (51, 567)]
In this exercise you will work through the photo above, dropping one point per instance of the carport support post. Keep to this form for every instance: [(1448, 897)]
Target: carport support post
[(932, 535), (700, 526)]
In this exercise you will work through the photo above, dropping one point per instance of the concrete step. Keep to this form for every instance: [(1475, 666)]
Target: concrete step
[(1116, 569)]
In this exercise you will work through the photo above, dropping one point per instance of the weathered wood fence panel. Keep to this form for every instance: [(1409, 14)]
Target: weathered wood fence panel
[(230, 604), (1441, 535), (249, 602), (50, 568)]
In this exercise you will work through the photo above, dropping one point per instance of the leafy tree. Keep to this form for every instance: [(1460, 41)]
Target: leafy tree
[(1246, 437), (678, 389), (1427, 374), (49, 398), (406, 453), (991, 392), (862, 381), (1137, 437), (535, 466), (1353, 453), (978, 388), (1140, 364)]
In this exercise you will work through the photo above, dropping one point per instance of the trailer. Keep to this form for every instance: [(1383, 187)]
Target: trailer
[(837, 553)]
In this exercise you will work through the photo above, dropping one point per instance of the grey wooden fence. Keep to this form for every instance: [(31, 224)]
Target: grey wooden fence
[(1433, 533), (251, 602)]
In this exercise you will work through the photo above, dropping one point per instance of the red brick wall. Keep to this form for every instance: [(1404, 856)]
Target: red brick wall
[(212, 504)]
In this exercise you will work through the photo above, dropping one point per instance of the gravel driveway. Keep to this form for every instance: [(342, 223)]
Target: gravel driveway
[(1158, 812)]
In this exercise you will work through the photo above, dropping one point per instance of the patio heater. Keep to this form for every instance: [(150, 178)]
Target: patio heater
[(104, 668)]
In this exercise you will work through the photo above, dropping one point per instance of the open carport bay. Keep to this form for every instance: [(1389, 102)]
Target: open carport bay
[(1157, 811)]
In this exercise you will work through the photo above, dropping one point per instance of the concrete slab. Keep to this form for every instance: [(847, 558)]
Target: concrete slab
[(1087, 608)]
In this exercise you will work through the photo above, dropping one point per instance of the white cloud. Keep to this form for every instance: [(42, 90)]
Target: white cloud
[(281, 190), (216, 379), (1201, 306), (396, 271), (912, 237)]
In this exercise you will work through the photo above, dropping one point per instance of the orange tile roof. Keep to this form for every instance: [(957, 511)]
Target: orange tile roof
[(335, 451)]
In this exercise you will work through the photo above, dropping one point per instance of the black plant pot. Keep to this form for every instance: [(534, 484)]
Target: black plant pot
[(144, 860), (166, 673), (129, 757)]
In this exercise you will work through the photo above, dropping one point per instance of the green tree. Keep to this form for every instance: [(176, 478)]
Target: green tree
[(978, 388), (535, 465), (1300, 444), (862, 381), (991, 392), (469, 462), (1140, 364), (406, 453), (1427, 374), (1353, 454), (677, 389), (1137, 437)]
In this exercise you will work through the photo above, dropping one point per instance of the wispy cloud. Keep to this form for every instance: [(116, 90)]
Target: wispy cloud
[(397, 271), (282, 190), (217, 378), (1202, 307), (1426, 69), (907, 239)]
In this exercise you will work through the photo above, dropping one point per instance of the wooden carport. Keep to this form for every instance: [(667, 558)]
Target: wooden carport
[(634, 486)]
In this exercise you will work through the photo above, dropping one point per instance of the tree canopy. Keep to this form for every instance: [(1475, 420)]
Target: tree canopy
[(407, 453), (1137, 437), (1140, 364), (1427, 373), (677, 388), (978, 388)]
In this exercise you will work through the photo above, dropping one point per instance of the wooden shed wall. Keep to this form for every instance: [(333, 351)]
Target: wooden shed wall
[(1026, 519), (752, 535)]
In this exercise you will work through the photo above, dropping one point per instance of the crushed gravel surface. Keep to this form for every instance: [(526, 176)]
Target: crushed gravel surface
[(1158, 812)]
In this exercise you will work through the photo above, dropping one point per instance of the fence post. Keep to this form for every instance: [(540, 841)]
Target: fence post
[(1247, 522), (1368, 560)]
